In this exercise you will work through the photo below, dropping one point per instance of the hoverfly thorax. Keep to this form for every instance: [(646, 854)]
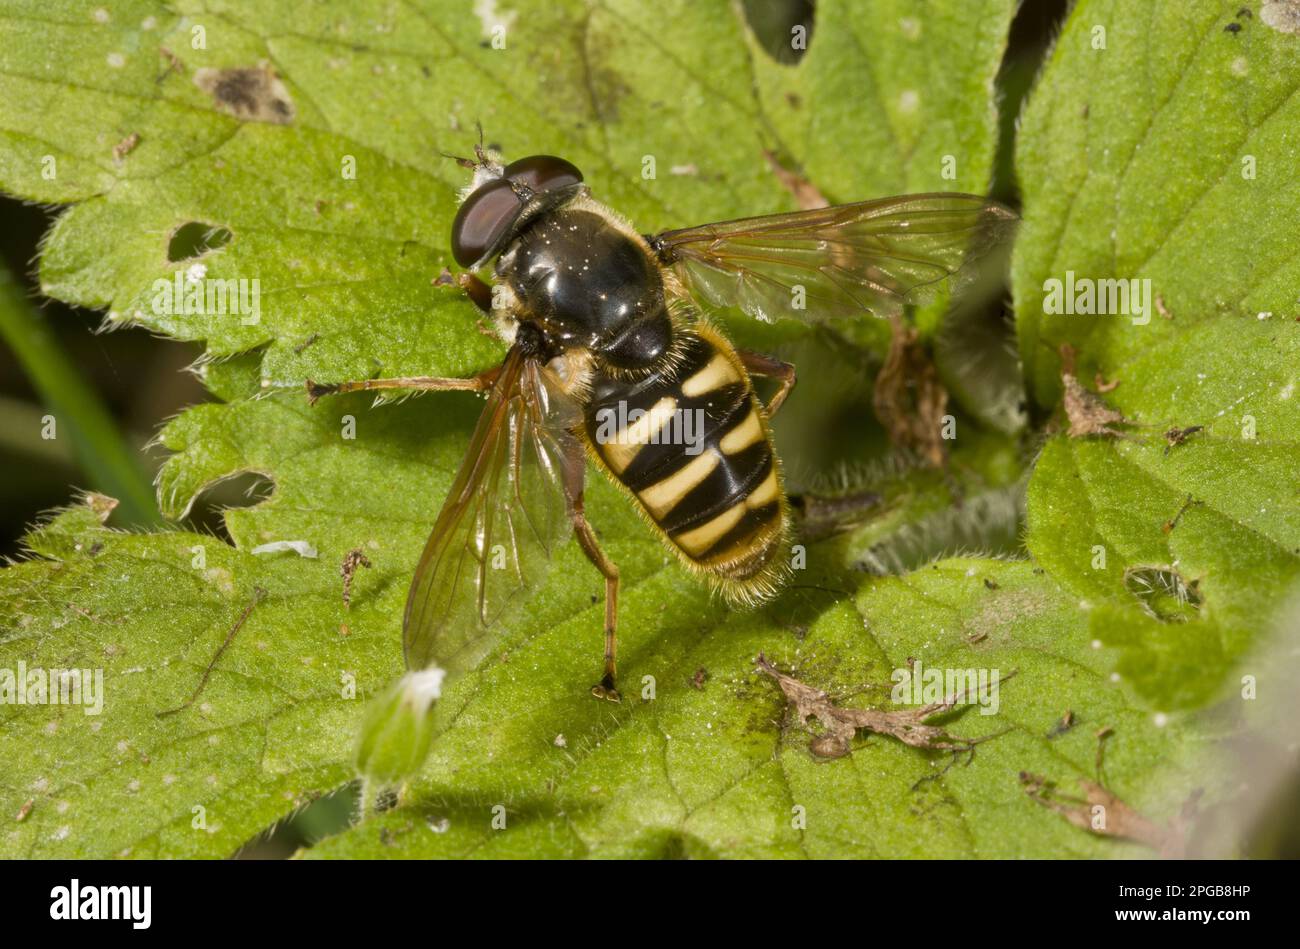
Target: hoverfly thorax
[(592, 285)]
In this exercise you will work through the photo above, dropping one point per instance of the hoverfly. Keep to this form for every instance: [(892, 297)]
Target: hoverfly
[(602, 323)]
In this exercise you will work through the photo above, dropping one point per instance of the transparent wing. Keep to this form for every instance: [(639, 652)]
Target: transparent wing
[(506, 513), (838, 261)]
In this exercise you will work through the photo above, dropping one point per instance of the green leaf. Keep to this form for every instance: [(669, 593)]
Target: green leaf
[(345, 264), (1104, 515), (907, 86), (711, 768), (235, 682), (1216, 514), (1167, 156), (142, 616)]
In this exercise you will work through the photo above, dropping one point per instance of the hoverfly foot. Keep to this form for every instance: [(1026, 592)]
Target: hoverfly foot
[(316, 390), (606, 692)]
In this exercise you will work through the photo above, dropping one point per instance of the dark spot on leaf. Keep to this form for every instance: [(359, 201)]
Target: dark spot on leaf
[(254, 94), (673, 845), (196, 239)]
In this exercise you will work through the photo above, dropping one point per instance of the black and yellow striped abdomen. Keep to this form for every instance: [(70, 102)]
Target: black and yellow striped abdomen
[(691, 444)]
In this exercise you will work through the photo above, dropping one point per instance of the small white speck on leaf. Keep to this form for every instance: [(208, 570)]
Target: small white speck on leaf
[(302, 548)]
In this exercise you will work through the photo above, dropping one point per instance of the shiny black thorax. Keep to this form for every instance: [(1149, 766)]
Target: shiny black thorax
[(586, 283)]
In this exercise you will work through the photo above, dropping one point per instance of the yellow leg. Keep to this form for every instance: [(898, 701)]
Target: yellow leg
[(777, 369), (480, 383)]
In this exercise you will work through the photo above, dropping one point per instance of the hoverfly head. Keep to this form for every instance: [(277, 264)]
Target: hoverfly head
[(502, 199)]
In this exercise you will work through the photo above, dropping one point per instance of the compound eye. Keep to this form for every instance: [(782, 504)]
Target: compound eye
[(481, 220), (544, 172)]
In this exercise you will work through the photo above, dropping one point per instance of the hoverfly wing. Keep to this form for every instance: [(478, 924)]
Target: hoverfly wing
[(837, 261), (504, 516)]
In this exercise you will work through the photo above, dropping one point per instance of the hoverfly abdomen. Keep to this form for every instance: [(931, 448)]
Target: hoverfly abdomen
[(690, 443)]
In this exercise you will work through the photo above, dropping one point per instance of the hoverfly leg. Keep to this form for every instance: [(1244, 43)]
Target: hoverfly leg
[(606, 689), (480, 383), (587, 540), (478, 291), (783, 372)]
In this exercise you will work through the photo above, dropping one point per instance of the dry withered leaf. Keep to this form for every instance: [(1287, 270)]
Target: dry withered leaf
[(909, 399), (1099, 811), (841, 724), (1086, 411), (125, 147)]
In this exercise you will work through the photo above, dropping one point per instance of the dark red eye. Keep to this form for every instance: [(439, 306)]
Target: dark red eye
[(485, 215), (544, 172), (481, 221)]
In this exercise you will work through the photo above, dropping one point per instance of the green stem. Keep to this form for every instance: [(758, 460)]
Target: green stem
[(106, 460)]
